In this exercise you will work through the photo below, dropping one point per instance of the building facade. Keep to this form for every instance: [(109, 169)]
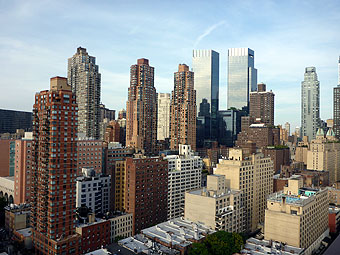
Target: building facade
[(141, 108), (206, 66), (185, 173), (297, 216), (242, 77), (310, 103), (11, 120), (93, 191), (146, 191), (84, 78), (121, 225), (54, 170), (253, 176), (183, 109), (23, 170), (261, 105), (324, 154), (216, 206), (336, 111), (90, 154), (163, 116)]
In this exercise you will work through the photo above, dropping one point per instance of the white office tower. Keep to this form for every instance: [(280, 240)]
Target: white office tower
[(310, 104), (184, 175)]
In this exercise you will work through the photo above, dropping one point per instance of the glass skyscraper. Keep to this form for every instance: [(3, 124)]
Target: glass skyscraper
[(310, 103), (242, 77), (206, 65)]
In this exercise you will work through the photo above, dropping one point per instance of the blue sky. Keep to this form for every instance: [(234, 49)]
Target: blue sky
[(37, 37)]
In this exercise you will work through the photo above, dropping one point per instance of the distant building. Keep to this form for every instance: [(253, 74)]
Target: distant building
[(106, 113), (183, 109), (217, 206), (205, 65), (184, 174), (93, 191), (297, 216), (261, 105), (324, 154), (242, 77), (163, 116), (310, 103), (141, 108), (84, 78), (336, 111), (229, 126), (11, 120), (17, 217)]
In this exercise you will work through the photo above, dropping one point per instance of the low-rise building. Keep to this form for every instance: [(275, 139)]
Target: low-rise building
[(297, 216), (178, 234), (185, 171), (93, 191), (121, 225), (94, 234), (216, 206), (24, 236), (255, 246), (17, 217)]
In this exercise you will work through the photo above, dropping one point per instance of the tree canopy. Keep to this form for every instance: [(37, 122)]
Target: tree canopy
[(219, 243)]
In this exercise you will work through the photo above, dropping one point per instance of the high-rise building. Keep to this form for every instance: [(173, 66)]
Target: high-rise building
[(183, 109), (146, 191), (253, 175), (184, 174), (287, 127), (11, 120), (23, 170), (216, 206), (336, 111), (205, 65), (54, 170), (297, 216), (106, 113), (261, 105), (310, 103), (242, 77), (163, 116), (339, 71), (90, 154), (112, 132), (141, 108), (229, 126), (84, 78)]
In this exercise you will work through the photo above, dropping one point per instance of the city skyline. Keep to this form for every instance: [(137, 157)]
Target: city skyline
[(39, 46)]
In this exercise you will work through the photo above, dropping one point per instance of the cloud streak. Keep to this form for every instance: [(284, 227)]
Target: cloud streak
[(208, 32)]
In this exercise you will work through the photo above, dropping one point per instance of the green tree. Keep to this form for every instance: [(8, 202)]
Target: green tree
[(219, 243)]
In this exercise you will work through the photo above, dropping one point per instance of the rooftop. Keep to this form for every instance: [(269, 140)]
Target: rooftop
[(26, 232), (140, 243), (306, 195), (99, 252), (178, 232), (254, 246)]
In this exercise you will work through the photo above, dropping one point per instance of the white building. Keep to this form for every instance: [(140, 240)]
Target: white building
[(185, 172), (163, 116), (93, 191), (121, 225)]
